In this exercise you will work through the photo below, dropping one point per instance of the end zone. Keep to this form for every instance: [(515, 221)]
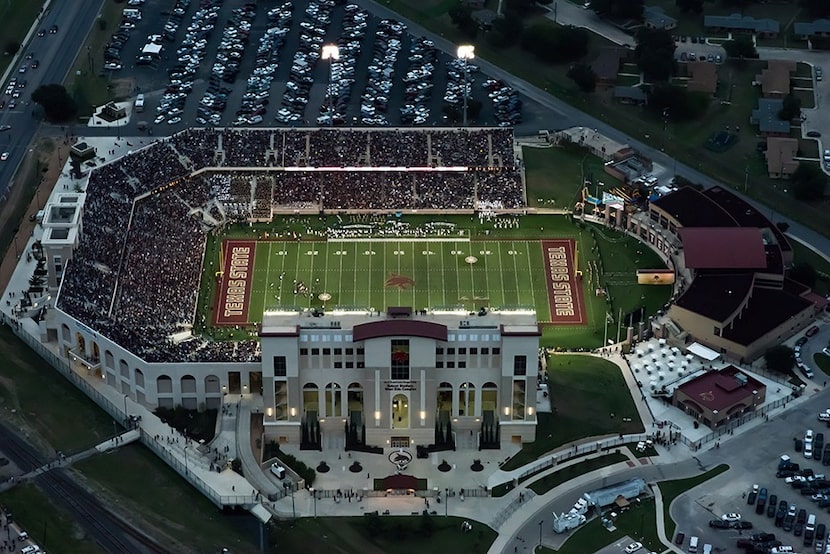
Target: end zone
[(567, 305), (234, 294)]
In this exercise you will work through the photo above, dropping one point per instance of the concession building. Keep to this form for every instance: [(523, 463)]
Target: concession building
[(715, 397), (738, 299)]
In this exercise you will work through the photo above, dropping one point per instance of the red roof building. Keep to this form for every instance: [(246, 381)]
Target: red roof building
[(723, 248), (718, 396)]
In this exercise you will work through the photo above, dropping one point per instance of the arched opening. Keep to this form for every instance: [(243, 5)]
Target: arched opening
[(164, 385), (188, 384), (139, 378), (356, 430), (311, 400), (334, 401), (212, 384), (466, 399), (400, 412), (109, 360), (489, 397), (96, 352), (444, 398), (79, 338), (124, 369), (66, 334)]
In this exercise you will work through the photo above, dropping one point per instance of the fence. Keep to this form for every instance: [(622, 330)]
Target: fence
[(593, 447), (119, 414), (505, 513)]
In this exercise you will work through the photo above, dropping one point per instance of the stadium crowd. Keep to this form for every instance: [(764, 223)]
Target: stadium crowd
[(136, 272)]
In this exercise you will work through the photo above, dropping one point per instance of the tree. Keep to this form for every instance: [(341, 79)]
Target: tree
[(690, 6), (506, 31), (817, 8), (740, 47), (780, 358), (782, 226), (519, 8), (557, 44), (809, 182), (618, 9), (58, 106), (655, 53), (681, 103), (805, 274), (791, 108), (584, 77), (462, 17), (11, 47)]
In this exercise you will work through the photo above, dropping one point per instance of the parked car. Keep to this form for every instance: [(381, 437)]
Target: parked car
[(719, 524)]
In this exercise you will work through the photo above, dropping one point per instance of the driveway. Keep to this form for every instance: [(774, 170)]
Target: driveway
[(567, 13)]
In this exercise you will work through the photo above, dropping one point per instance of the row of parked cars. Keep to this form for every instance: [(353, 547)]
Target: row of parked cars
[(423, 59), (112, 50), (506, 102), (374, 102), (343, 66), (298, 86), (813, 446)]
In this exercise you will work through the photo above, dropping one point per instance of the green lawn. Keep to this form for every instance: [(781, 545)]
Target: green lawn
[(143, 484), (548, 482), (823, 362), (673, 489), (381, 535), (556, 173), (53, 527), (579, 385), (42, 399), (16, 19), (802, 254), (638, 522)]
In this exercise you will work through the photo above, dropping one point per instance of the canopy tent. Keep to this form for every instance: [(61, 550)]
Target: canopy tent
[(703, 352)]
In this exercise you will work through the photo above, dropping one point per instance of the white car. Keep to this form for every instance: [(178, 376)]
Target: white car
[(731, 517), (174, 120), (4, 156), (633, 547), (159, 119)]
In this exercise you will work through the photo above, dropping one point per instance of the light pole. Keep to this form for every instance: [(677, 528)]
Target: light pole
[(540, 533), (331, 52), (314, 493), (286, 486), (466, 52), (446, 500)]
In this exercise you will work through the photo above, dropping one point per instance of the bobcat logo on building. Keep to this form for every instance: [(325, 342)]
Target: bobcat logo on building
[(707, 396), (400, 459), (400, 281)]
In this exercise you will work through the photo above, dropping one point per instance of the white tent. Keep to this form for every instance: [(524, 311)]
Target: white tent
[(703, 352)]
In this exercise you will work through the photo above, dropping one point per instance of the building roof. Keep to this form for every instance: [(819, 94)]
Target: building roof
[(723, 248), (657, 17), (766, 116), (692, 208), (607, 63), (766, 310), (721, 390), (630, 93), (780, 154), (775, 79), (400, 328), (807, 28), (703, 77), (741, 22), (716, 297)]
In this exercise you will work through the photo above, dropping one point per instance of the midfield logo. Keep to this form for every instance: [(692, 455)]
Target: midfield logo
[(400, 281)]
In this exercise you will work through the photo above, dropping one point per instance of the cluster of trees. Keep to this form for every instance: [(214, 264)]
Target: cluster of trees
[(780, 358), (584, 77), (655, 54), (817, 8), (57, 105), (555, 45), (791, 108), (690, 6), (618, 9), (741, 46), (683, 105), (808, 182)]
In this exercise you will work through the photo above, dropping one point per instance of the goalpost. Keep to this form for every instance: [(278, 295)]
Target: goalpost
[(221, 269)]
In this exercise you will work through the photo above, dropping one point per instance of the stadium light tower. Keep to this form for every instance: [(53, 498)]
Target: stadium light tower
[(466, 52), (331, 52)]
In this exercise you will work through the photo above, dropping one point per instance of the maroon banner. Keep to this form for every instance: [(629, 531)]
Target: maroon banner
[(567, 305), (234, 296)]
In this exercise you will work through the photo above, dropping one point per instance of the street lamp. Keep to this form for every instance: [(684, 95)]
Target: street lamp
[(314, 493), (466, 52), (293, 509), (331, 52), (540, 533), (446, 500)]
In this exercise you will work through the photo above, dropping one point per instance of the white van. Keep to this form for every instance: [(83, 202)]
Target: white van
[(139, 103), (278, 470), (707, 548), (693, 544)]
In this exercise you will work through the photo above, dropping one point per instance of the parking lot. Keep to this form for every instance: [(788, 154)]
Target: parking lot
[(754, 459), (695, 48), (320, 63)]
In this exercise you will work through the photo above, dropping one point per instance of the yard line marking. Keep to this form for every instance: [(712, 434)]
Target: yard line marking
[(443, 288), (530, 274), (457, 276), (501, 277), (486, 275), (326, 269), (516, 273), (413, 273)]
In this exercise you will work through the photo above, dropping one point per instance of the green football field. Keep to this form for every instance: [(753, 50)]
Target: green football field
[(381, 273)]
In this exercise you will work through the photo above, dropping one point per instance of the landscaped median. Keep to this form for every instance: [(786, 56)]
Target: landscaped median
[(672, 489), (548, 482)]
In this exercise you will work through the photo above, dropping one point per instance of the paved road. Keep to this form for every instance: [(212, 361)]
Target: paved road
[(57, 53)]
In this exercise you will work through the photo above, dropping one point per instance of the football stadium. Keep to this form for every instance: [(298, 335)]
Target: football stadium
[(343, 275)]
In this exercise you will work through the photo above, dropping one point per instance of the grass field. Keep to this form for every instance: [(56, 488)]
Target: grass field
[(548, 482), (508, 271), (672, 489), (15, 20), (435, 274)]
